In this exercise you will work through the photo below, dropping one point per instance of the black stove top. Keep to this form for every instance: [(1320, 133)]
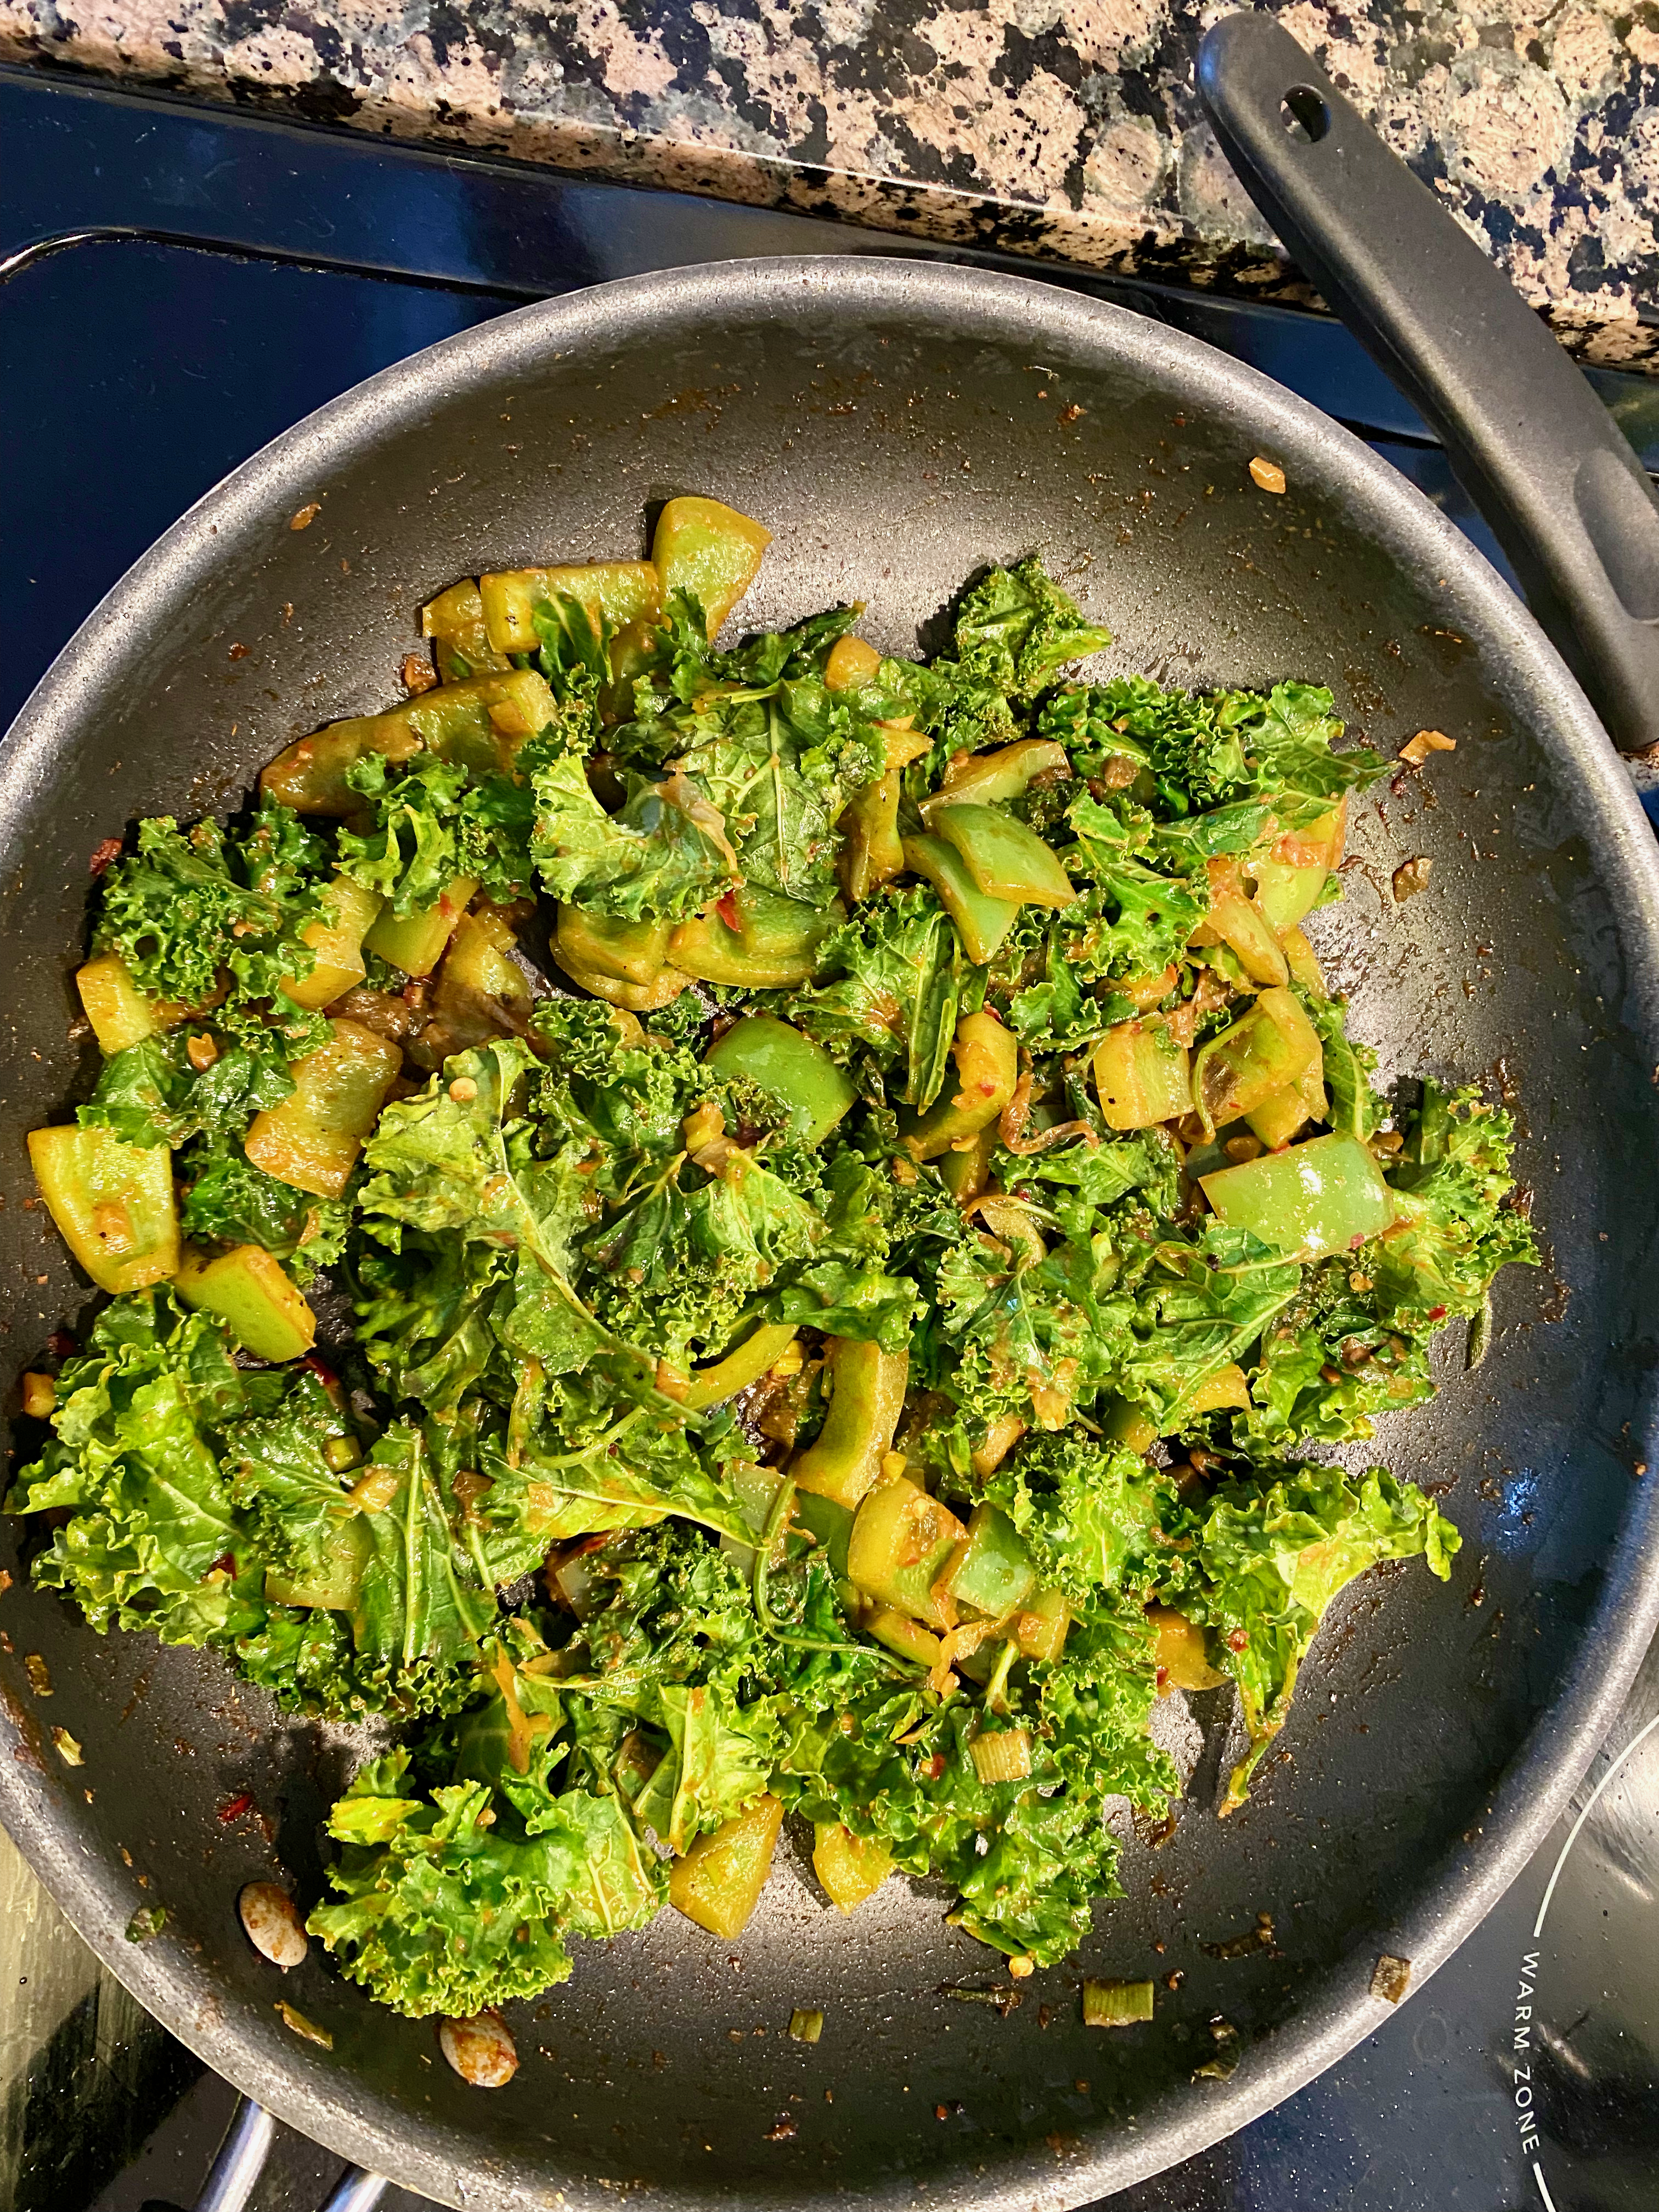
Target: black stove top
[(177, 285)]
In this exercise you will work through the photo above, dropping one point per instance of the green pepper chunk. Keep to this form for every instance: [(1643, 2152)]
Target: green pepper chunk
[(248, 1290), (481, 723), (1271, 1048), (901, 1540), (763, 1348), (112, 1203), (632, 952), (753, 939), (789, 1066), (982, 923), (985, 778), (708, 548), (867, 1386), (1141, 1074), (1310, 1200), (991, 1570), (872, 852), (831, 1524), (454, 621), (1006, 859), (987, 1069)]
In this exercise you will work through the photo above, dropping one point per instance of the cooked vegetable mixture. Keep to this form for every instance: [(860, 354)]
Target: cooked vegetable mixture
[(851, 1192)]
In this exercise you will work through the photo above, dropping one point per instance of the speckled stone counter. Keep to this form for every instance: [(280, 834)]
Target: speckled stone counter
[(1062, 128)]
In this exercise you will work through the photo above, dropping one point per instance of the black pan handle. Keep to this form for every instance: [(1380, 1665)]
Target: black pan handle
[(1531, 444)]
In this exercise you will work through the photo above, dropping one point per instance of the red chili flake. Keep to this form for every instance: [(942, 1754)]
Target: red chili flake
[(726, 908), (228, 1561), (60, 1344), (1237, 1640), (103, 854), (1163, 1676), (935, 1767), (238, 652), (321, 1369), (234, 1807), (1436, 1313), (785, 2132)]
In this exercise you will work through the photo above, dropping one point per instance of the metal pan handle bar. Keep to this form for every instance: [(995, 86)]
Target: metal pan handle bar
[(1527, 438)]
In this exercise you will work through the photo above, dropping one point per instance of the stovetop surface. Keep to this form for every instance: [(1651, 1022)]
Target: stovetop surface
[(176, 287)]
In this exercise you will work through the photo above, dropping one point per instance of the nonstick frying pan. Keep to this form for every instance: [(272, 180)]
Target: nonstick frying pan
[(898, 425)]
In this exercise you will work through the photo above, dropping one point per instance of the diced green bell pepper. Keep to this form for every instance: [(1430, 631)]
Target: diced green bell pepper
[(852, 662), (904, 1638), (1179, 1658), (851, 1868), (1006, 859), (982, 922), (791, 1068), (248, 1290), (710, 551), (867, 1389), (1238, 923), (1304, 964), (719, 1881), (985, 779), (615, 591), (1272, 1047), (112, 1203), (415, 942), (990, 1570), (1327, 1195), (761, 1349), (988, 1072), (481, 723), (662, 990), (312, 1140), (872, 852), (120, 1012), (900, 1540), (965, 1169), (632, 952), (1277, 1119), (454, 621), (1041, 1624), (754, 938), (1286, 894), (831, 1524), (338, 943), (1142, 1075)]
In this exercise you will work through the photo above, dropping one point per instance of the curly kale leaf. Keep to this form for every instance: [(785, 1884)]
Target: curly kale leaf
[(1092, 1514), (1016, 627), (155, 1538), (189, 904), (665, 856), (1270, 1555), (229, 1200), (1135, 920), (1455, 1230), (893, 978), (154, 1094), (443, 1913), (433, 821)]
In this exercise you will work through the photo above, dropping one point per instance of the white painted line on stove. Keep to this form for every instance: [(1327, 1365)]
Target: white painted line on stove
[(1590, 1807), (1543, 2188)]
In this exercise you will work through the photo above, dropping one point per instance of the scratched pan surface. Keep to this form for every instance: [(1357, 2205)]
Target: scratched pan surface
[(897, 426)]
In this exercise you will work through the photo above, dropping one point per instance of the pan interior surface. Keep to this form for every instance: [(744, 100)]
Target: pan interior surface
[(898, 428)]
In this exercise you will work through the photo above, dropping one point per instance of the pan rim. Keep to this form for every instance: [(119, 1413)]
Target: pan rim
[(1563, 1740)]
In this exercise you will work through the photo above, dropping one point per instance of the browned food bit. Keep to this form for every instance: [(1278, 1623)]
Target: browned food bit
[(805, 2026), (67, 1749), (305, 516), (39, 1673), (272, 1922), (1389, 1978), (417, 675), (481, 2050), (292, 2017), (1266, 475), (102, 853), (1412, 877), (1417, 749)]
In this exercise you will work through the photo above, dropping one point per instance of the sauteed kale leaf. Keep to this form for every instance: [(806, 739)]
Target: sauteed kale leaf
[(851, 1193)]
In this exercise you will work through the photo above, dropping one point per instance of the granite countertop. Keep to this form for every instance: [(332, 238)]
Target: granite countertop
[(1066, 131)]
